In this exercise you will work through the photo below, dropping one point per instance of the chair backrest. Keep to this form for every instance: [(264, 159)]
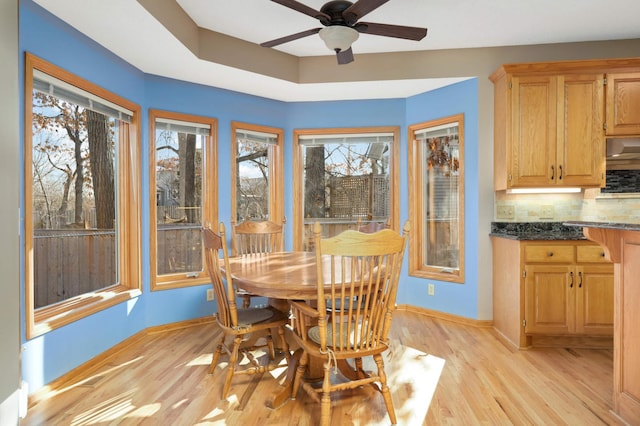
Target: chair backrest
[(215, 245), (251, 237), (364, 270)]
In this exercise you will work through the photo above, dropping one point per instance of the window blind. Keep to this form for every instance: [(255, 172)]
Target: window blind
[(353, 138), (52, 86), (259, 137), (182, 126), (436, 132)]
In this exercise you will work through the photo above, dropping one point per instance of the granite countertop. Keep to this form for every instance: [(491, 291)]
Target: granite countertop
[(536, 231), (607, 225)]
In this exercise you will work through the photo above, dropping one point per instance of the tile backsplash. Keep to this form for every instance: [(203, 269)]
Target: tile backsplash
[(537, 207), (589, 205), (622, 181)]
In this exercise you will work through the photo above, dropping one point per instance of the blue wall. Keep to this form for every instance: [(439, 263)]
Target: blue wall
[(53, 354), (453, 298)]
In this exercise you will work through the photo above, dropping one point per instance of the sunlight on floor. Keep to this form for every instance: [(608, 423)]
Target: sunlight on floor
[(204, 359), (116, 409), (109, 410), (423, 373), (412, 376), (223, 407), (93, 379)]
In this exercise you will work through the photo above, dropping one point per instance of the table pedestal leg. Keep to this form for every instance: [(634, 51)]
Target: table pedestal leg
[(284, 393), (314, 372), (346, 370)]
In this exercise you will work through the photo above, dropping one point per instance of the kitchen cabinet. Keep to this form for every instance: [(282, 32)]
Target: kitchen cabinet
[(623, 104), (569, 300), (551, 288), (548, 129)]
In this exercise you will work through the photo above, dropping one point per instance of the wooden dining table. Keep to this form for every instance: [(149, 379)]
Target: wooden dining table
[(282, 277)]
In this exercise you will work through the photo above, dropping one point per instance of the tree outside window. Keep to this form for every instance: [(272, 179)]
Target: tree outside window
[(257, 175)]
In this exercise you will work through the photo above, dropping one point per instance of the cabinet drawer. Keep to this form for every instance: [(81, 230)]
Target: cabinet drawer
[(554, 254), (591, 254)]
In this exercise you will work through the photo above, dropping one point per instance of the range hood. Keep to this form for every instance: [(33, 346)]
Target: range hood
[(623, 148)]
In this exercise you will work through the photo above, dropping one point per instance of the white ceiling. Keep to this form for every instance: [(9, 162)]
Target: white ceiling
[(136, 36)]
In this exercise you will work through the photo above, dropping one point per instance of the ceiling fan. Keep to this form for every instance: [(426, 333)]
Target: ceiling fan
[(341, 26)]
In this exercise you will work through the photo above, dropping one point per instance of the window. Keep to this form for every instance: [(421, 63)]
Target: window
[(82, 188), (344, 177), (183, 182), (257, 175), (436, 202)]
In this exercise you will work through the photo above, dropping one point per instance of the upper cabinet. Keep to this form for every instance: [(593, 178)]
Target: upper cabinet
[(549, 121), (623, 104)]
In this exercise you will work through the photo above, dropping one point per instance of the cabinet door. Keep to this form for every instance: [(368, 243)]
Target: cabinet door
[(533, 131), (549, 299), (594, 299), (623, 104), (580, 156)]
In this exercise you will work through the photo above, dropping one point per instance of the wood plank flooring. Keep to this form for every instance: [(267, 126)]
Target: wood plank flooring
[(161, 379)]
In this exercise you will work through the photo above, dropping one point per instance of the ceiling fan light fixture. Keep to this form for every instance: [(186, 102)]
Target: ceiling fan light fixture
[(338, 37)]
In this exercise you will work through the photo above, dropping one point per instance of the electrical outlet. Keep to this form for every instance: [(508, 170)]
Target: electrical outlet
[(505, 212), (209, 295), (547, 212), (431, 289)]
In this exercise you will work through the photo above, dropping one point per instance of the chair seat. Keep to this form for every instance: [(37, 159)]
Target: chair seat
[(260, 318), (253, 316), (339, 303), (314, 334)]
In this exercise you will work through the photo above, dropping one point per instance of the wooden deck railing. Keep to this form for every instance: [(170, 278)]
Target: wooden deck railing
[(71, 262)]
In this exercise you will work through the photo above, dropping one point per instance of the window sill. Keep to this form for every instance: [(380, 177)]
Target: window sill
[(180, 283), (55, 316), (456, 277)]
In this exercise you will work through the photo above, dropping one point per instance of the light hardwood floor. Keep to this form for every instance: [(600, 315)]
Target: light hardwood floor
[(161, 379)]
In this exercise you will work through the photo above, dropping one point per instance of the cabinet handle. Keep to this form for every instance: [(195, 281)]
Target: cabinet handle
[(550, 254), (560, 172), (602, 254), (553, 172), (580, 282), (570, 279)]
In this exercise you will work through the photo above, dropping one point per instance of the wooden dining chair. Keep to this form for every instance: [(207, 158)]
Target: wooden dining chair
[(238, 323), (255, 237), (358, 267)]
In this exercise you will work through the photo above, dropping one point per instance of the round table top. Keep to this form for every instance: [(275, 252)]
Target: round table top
[(282, 275)]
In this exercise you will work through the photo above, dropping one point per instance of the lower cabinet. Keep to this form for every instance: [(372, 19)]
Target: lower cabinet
[(569, 299), (563, 288)]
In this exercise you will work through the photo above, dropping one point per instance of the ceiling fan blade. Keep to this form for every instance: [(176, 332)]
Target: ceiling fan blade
[(345, 56), (397, 31), (303, 8), (361, 8), (291, 37)]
